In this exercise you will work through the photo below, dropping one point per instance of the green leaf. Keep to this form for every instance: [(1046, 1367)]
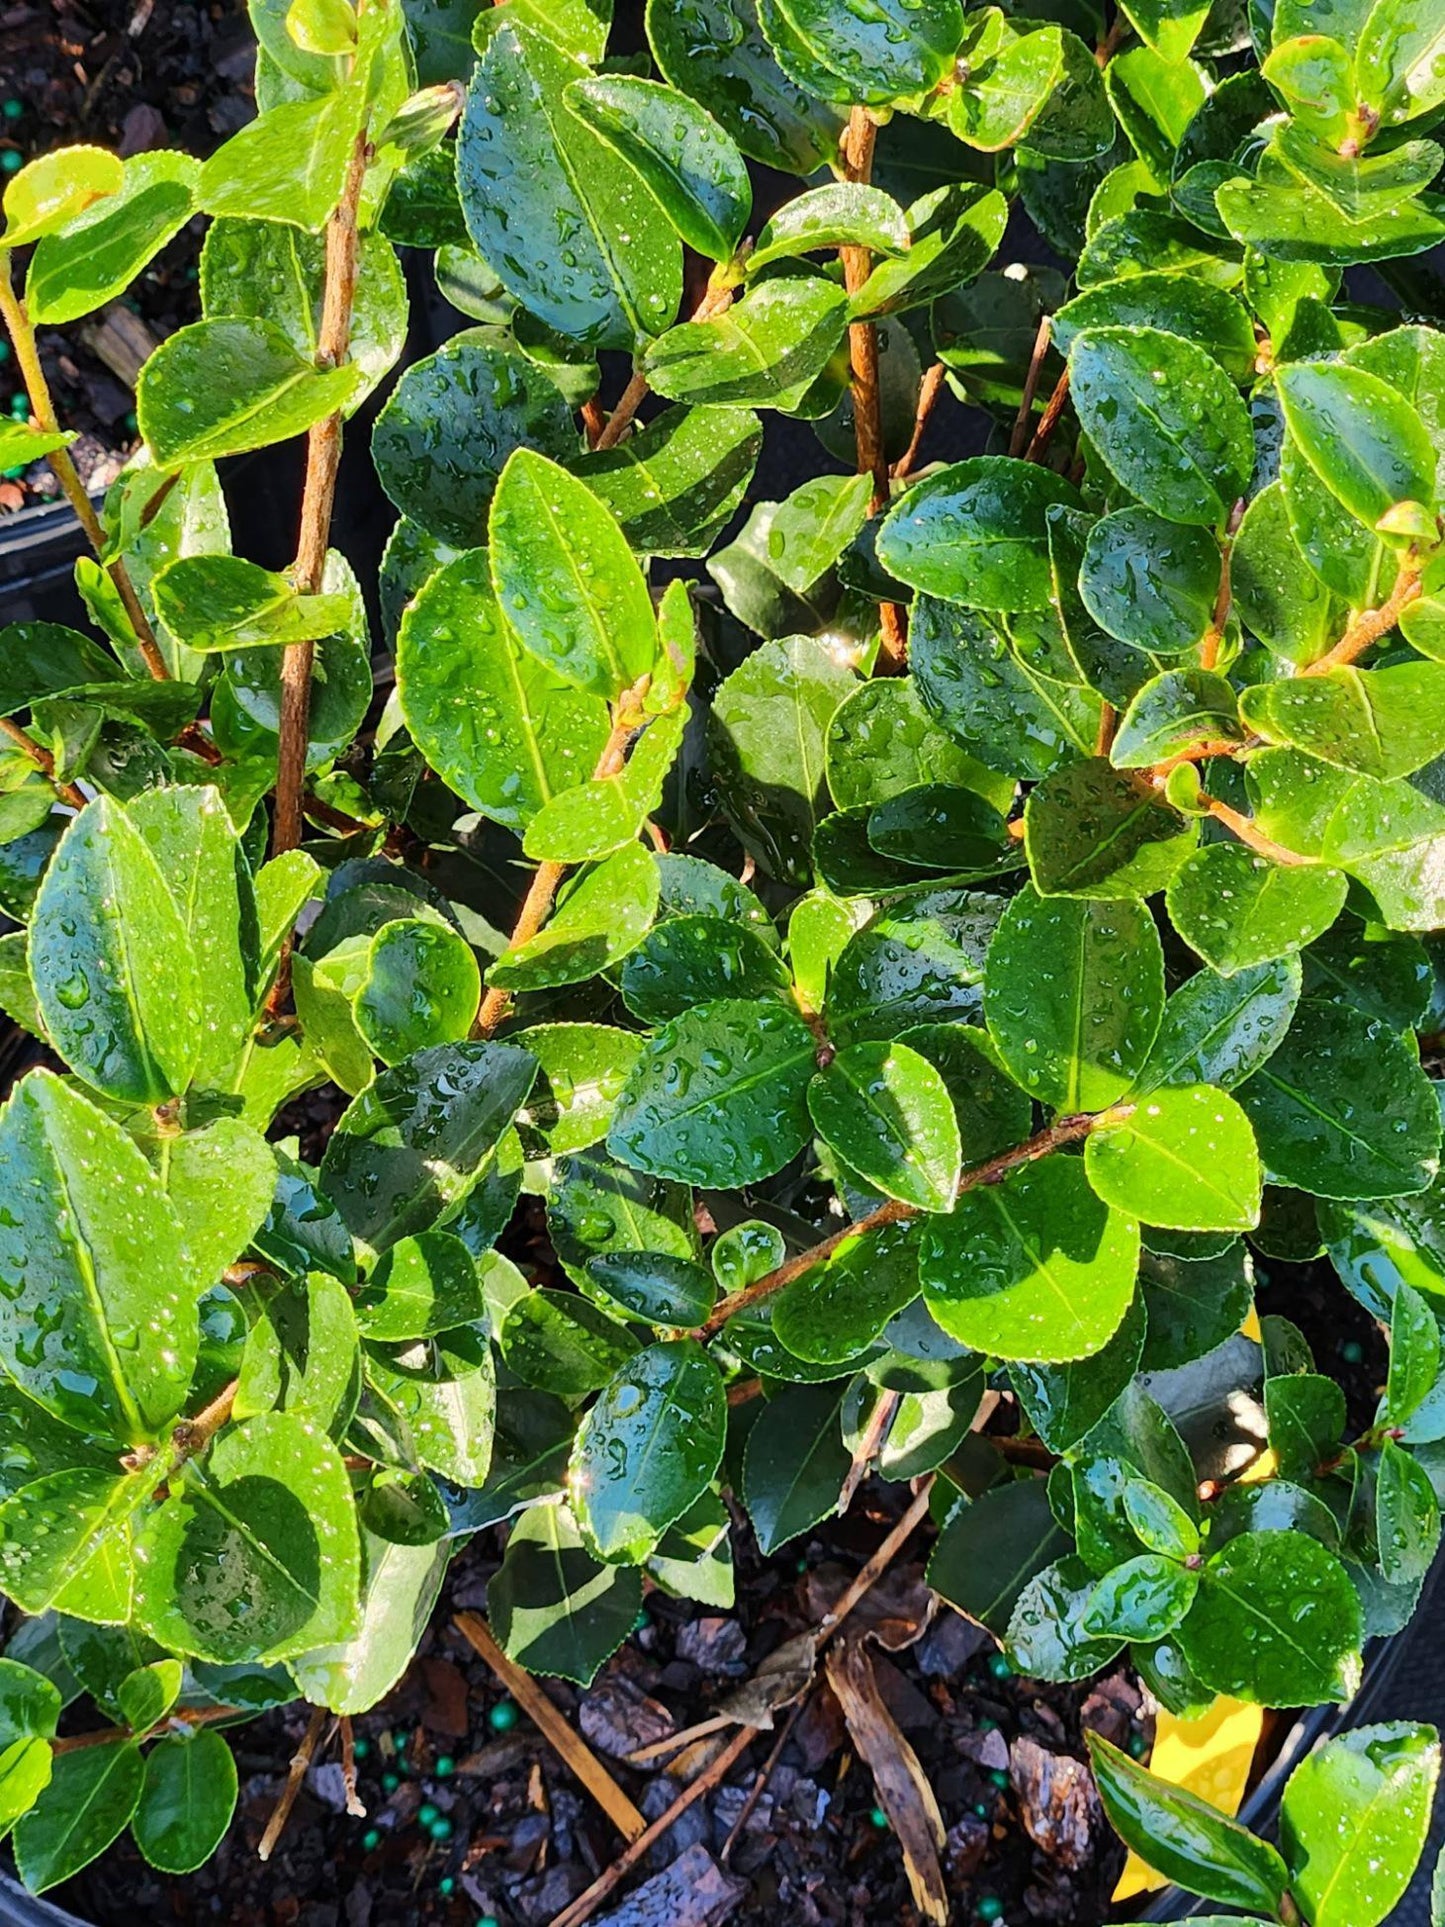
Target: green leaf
[(558, 1342), (1276, 1622), (30, 1704), (716, 51), (566, 580), (53, 190), (653, 1285), (765, 351), (1046, 1637), (1036, 1267), (1064, 1402), (443, 1393), (504, 730), (1149, 581), (20, 444), (65, 1541), (1196, 309), (718, 1095), (450, 424), (1312, 72), (289, 164), (1384, 722), (1239, 910), (1161, 1522), (220, 1181), (101, 251), (684, 961), (887, 1112), (148, 1693), (975, 533), (690, 164), (767, 732), (1343, 1109), (953, 234), (1354, 1819), (1407, 1516), (554, 1608), (219, 602), (795, 1463), (597, 1206), (113, 967), (583, 1068), (414, 1142), (1098, 832), (883, 742), (1154, 96), (1184, 1158), (648, 1449), (892, 49), (1144, 1598), (1170, 27), (1397, 61), (420, 1286), (1185, 1838), (254, 1554), (1073, 994), (88, 1802), (600, 916), (836, 1310), (1165, 418), (1005, 86), (844, 214), (186, 1802), (990, 1548), (1288, 607), (399, 1596), (421, 987), (221, 387), (1218, 1030), (1359, 185), (25, 1767), (674, 485), (1360, 436), (1181, 710), (694, 1558), (1193, 1305), (85, 1274), (1414, 1355), (1289, 221), (566, 224)]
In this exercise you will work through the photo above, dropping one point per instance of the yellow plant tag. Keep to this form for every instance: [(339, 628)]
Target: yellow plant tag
[(1210, 1756)]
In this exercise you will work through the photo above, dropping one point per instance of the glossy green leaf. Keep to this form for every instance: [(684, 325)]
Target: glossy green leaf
[(1414, 1355), (690, 164), (765, 351), (554, 1608), (1343, 1109), (1238, 909), (1354, 1818), (89, 1800), (1218, 1030), (1397, 61), (56, 188), (1407, 1516), (1074, 993), (289, 164), (975, 533), (186, 1802), (557, 1342), (1290, 221), (1037, 1267), (1006, 85), (582, 1069), (1276, 1621), (100, 251), (1184, 1158), (1165, 418), (1196, 309), (845, 214), (421, 987), (1182, 710), (953, 234), (887, 1112), (1185, 1838), (25, 1767), (1149, 581), (442, 1394), (892, 49), (1384, 722), (222, 387), (420, 1286), (648, 1449), (1094, 831), (600, 915), (399, 1595), (836, 1310), (1288, 607), (1144, 1598), (1046, 1636), (656, 1286), (219, 602), (795, 1463), (674, 484), (1360, 436), (684, 961), (568, 226)]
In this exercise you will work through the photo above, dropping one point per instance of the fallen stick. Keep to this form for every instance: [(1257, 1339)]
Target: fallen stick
[(300, 1760), (573, 1749)]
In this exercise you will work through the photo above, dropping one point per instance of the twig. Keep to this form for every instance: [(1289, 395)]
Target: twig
[(1108, 723), (547, 877), (192, 1435), (868, 1447), (354, 1804), (594, 420), (587, 1902), (1049, 420), (27, 359), (761, 1778), (1370, 625), (878, 1564), (1253, 838), (1020, 437), (574, 1750), (715, 299), (929, 389), (323, 459), (1108, 46), (1213, 636), (1064, 1130), (300, 1760), (43, 761), (188, 1715)]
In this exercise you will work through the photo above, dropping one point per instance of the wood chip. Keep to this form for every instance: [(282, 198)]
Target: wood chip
[(692, 1892), (1057, 1802), (903, 1789)]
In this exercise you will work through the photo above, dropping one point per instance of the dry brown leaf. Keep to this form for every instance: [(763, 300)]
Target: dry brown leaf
[(903, 1789)]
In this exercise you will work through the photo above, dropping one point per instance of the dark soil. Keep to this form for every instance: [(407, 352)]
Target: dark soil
[(130, 75)]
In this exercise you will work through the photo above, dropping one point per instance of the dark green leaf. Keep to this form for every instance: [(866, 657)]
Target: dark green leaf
[(442, 1393), (421, 1285), (975, 533), (836, 1310), (559, 1342), (88, 1802), (795, 1463), (684, 961), (656, 1286), (1144, 1598), (1063, 1402), (1046, 1636), (887, 1112), (648, 1449), (186, 1803), (893, 49), (1098, 832), (1276, 1621), (1407, 1516), (674, 485), (765, 351), (553, 1607), (583, 1068), (1149, 581), (991, 1547)]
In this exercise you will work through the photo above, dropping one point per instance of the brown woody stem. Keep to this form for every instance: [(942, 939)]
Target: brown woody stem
[(27, 359), (1064, 1130), (1049, 420), (1253, 838), (1018, 441), (1213, 636), (1370, 625), (323, 459), (43, 761), (929, 389)]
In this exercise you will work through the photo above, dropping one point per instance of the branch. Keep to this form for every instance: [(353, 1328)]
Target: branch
[(187, 1715), (27, 358), (1253, 838), (537, 903), (1020, 437), (300, 1760), (323, 458), (929, 390), (1064, 1130), (1370, 624), (43, 761), (193, 1435), (715, 299), (1210, 641), (1049, 420)]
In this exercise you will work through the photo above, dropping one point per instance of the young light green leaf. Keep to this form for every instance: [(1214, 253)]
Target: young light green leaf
[(222, 387), (1238, 909), (55, 189), (887, 1113), (1354, 1818), (765, 351), (101, 251), (1184, 1158), (600, 916), (186, 1802)]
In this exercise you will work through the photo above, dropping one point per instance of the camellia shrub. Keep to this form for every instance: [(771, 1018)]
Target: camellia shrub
[(912, 947)]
